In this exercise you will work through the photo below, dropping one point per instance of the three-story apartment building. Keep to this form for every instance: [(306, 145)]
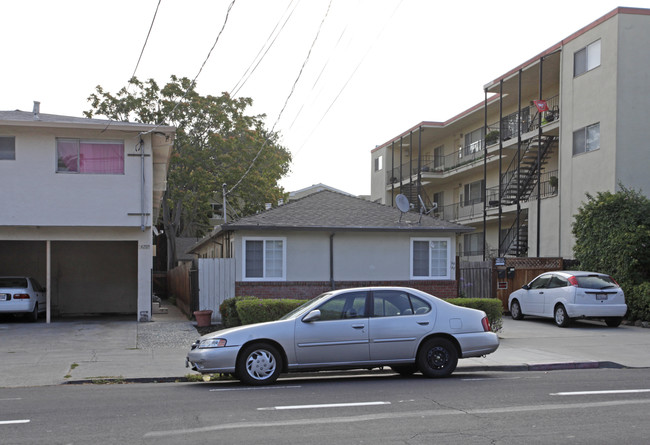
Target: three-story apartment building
[(516, 167)]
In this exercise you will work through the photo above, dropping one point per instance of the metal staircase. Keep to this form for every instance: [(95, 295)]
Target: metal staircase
[(410, 190)]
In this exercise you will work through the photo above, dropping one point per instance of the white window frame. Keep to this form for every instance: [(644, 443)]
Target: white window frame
[(585, 148), (264, 273), (592, 58), (447, 275)]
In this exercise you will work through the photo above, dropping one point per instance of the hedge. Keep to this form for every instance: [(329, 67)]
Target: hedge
[(259, 311), (638, 302), (491, 306), (228, 311)]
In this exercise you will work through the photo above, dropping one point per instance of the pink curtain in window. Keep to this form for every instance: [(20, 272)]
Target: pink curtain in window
[(101, 158), (68, 152)]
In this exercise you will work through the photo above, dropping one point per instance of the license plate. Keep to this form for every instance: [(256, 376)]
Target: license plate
[(3, 297), (601, 297)]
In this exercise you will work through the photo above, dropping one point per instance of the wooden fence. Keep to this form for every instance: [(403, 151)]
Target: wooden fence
[(475, 279)]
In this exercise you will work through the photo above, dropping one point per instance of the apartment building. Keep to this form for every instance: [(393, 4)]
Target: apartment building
[(574, 119)]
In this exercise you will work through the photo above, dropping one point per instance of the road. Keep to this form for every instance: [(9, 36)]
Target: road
[(578, 406)]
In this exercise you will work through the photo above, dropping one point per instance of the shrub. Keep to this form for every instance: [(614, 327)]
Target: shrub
[(261, 310), (638, 302), (491, 306), (228, 311)]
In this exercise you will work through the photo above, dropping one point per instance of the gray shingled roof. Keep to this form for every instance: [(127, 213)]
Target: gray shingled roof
[(326, 210), (22, 118)]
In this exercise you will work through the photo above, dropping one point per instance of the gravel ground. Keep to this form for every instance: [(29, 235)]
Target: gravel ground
[(166, 335)]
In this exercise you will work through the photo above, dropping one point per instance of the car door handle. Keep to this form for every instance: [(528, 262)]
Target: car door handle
[(358, 326), (423, 323)]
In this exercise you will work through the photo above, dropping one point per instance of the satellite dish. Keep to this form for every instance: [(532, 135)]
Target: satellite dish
[(403, 204)]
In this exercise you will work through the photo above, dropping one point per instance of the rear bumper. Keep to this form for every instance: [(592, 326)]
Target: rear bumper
[(478, 343), (16, 306), (596, 310)]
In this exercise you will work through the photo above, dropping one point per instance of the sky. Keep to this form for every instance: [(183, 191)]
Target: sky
[(337, 77)]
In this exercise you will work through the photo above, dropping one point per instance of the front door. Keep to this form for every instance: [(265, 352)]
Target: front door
[(340, 335)]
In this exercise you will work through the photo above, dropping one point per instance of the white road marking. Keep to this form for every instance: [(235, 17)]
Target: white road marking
[(13, 422), (11, 398), (392, 415), (256, 388), (328, 405), (586, 393)]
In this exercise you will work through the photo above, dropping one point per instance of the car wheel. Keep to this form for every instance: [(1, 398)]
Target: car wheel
[(438, 357), (33, 316), (405, 370), (259, 364), (515, 311), (561, 317), (613, 322)]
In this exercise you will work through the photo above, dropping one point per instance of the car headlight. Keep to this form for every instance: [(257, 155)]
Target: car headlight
[(212, 343)]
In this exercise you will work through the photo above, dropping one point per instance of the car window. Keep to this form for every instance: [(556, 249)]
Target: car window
[(596, 282), (349, 305), (13, 282), (558, 281), (540, 282), (36, 285), (391, 303)]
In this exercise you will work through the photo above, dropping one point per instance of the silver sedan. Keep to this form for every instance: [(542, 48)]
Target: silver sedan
[(406, 329)]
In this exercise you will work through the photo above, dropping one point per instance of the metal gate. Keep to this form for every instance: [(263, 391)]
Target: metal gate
[(475, 279)]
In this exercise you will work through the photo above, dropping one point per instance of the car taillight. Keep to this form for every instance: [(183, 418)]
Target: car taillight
[(21, 296), (573, 281), (486, 324)]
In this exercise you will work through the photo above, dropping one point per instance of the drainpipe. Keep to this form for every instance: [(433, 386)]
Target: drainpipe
[(332, 260), (142, 205)]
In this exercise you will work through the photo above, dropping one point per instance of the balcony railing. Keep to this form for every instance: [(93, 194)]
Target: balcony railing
[(529, 120), (549, 188)]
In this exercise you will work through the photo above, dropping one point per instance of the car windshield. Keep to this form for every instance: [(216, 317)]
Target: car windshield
[(304, 305), (13, 282), (596, 282)]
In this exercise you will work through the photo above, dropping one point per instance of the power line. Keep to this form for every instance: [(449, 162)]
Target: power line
[(285, 102), (197, 74), (242, 81)]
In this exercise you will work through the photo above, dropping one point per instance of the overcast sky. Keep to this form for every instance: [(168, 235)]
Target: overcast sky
[(377, 68)]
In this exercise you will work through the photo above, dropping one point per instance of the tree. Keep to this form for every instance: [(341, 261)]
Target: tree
[(612, 233), (215, 143)]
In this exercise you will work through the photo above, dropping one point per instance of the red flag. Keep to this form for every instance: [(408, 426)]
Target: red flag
[(541, 105)]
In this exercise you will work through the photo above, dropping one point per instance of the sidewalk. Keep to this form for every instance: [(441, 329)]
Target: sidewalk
[(101, 349)]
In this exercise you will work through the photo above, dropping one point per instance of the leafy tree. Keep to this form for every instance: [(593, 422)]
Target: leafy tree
[(612, 233), (216, 142)]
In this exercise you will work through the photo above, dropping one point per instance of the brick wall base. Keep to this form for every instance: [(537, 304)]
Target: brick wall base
[(304, 290)]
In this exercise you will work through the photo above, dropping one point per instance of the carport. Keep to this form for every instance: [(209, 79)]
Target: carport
[(81, 277)]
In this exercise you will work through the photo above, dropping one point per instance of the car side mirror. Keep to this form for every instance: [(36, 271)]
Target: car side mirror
[(525, 287), (312, 316)]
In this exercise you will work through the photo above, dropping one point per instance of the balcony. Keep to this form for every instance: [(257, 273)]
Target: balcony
[(529, 120)]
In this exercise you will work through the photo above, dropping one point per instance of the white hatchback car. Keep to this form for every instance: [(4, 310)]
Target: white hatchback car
[(21, 295), (564, 295)]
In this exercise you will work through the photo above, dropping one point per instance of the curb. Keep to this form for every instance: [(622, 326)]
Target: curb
[(487, 368)]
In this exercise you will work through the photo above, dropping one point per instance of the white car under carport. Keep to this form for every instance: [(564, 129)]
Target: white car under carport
[(22, 295)]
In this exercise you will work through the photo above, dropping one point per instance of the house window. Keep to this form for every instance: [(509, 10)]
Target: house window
[(264, 259), (474, 193), (473, 244), (379, 163), (88, 156), (7, 148), (586, 139), (586, 59), (439, 157), (474, 141), (430, 258)]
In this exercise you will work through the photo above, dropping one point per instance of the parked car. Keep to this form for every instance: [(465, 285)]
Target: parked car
[(565, 295), (21, 295), (403, 328)]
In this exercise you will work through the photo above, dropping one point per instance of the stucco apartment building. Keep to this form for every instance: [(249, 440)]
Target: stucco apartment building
[(574, 119), (79, 200)]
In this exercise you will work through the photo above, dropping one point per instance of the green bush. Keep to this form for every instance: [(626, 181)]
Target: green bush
[(261, 310), (228, 311), (638, 302), (491, 306)]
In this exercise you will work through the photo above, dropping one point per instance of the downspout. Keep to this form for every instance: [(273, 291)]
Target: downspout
[(420, 161), (142, 205), (332, 261), (539, 156), (485, 113), (411, 160)]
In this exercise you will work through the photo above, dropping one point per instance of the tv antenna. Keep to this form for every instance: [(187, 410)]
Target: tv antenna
[(423, 208), (403, 204)]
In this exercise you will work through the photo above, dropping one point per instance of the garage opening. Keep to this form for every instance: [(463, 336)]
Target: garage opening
[(87, 277)]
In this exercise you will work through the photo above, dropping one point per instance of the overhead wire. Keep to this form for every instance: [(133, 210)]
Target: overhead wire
[(248, 73), (285, 102)]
